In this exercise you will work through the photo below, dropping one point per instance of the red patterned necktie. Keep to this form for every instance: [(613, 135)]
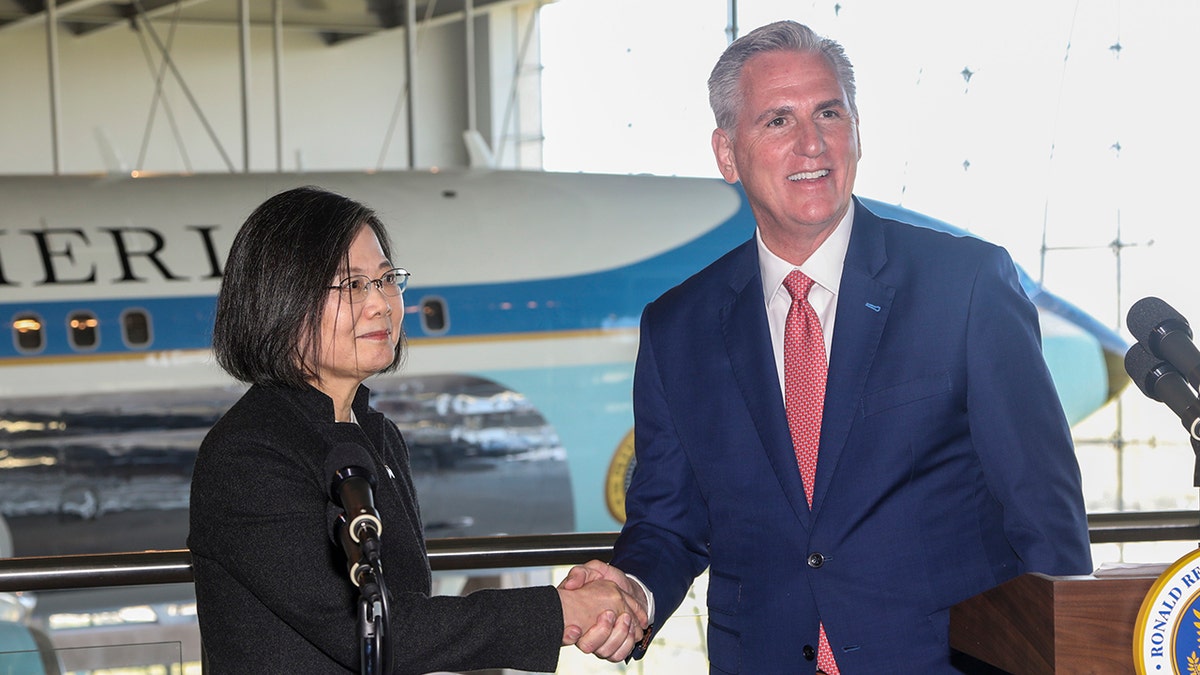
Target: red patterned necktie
[(804, 372)]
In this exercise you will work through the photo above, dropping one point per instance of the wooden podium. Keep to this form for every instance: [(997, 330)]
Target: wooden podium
[(1041, 624)]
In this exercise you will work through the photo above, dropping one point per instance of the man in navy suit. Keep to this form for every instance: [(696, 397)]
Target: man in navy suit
[(945, 463)]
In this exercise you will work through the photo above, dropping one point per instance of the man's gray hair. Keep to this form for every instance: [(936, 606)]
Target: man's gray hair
[(724, 84)]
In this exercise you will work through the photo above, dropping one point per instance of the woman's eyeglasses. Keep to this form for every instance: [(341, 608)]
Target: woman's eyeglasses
[(391, 283)]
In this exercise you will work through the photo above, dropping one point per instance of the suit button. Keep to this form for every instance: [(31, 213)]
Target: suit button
[(809, 653), (816, 560)]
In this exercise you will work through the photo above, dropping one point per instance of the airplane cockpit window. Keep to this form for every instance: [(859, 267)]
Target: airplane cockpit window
[(84, 330), (434, 318), (135, 328), (29, 333)]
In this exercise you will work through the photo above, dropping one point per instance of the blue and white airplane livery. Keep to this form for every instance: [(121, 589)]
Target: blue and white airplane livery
[(522, 319)]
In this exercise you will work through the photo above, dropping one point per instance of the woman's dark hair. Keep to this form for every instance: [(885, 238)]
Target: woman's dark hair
[(282, 262)]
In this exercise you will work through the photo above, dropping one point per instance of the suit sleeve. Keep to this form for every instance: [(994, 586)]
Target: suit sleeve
[(1018, 427), (665, 538)]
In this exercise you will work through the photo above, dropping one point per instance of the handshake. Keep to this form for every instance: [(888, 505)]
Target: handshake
[(604, 611)]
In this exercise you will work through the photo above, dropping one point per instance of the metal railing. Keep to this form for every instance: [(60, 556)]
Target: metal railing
[(476, 553), (167, 567), (1110, 528)]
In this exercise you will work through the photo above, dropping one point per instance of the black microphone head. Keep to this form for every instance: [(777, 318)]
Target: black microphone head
[(344, 461), (1148, 315), (1145, 369)]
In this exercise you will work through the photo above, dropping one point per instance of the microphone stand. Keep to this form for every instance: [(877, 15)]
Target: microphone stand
[(373, 613), (370, 626), (1196, 471)]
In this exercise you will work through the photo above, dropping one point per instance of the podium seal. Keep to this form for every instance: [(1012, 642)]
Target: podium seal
[(620, 472), (1166, 636)]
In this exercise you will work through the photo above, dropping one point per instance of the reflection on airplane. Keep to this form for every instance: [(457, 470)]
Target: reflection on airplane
[(95, 474)]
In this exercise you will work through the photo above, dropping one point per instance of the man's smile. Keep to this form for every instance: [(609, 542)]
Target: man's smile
[(809, 175)]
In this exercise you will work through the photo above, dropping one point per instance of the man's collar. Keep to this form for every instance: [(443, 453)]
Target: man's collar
[(824, 266)]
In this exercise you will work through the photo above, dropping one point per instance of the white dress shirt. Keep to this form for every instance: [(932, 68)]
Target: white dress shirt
[(824, 267)]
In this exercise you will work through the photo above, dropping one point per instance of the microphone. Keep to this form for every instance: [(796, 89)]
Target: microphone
[(1162, 382), (351, 488), (357, 529), (1167, 335)]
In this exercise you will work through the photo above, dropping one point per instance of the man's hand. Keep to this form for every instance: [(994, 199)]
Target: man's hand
[(594, 570), (606, 611), (613, 635)]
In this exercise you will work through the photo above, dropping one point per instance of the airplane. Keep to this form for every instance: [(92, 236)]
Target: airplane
[(521, 318)]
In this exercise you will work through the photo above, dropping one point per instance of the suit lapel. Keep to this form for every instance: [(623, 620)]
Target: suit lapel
[(748, 344), (862, 311)]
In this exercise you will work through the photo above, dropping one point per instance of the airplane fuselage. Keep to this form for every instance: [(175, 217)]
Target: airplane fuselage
[(521, 316)]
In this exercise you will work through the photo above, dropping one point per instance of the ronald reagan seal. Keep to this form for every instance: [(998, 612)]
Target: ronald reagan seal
[(1166, 636)]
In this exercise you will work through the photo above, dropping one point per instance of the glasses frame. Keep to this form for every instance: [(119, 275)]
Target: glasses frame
[(350, 295)]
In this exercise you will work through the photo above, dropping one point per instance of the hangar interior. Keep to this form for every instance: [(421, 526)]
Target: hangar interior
[(268, 85), (233, 86)]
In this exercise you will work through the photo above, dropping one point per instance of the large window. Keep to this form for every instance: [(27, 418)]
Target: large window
[(1043, 149)]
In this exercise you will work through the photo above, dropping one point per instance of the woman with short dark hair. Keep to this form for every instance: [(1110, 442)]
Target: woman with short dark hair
[(310, 306)]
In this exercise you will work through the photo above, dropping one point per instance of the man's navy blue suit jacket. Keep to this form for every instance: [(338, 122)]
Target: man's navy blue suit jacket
[(945, 467)]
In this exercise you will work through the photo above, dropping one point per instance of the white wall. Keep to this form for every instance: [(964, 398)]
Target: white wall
[(339, 101)]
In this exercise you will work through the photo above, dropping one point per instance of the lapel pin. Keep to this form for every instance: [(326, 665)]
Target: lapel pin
[(873, 308)]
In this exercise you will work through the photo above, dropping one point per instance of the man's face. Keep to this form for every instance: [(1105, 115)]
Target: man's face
[(795, 149)]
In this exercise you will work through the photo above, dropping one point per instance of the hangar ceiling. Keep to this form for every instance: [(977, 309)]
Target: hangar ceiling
[(334, 20), (331, 21)]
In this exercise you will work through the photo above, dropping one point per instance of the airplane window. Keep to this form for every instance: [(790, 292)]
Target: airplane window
[(135, 327), (28, 333), (434, 318), (85, 330)]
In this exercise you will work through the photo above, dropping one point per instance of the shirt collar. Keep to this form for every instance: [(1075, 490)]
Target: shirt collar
[(824, 266)]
